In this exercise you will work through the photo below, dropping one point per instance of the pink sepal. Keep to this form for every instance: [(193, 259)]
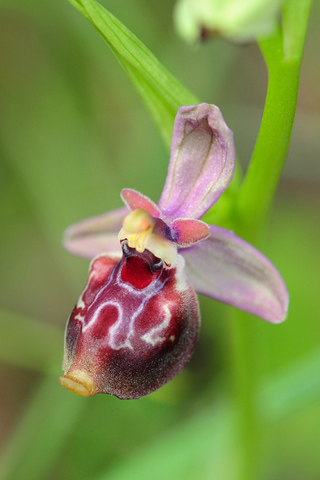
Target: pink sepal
[(96, 235), (228, 269), (202, 162)]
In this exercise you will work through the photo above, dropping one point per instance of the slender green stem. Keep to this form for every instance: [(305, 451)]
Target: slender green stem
[(283, 54), (270, 151), (254, 202), (295, 15)]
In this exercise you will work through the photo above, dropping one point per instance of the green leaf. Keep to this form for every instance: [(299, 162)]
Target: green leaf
[(162, 93)]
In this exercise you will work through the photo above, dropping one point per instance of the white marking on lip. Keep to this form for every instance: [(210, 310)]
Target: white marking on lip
[(113, 330), (79, 317), (149, 337), (80, 303), (142, 296), (180, 275), (97, 313)]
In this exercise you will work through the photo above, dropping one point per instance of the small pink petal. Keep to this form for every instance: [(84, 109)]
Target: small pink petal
[(228, 269), (96, 235), (201, 164), (189, 231), (135, 200)]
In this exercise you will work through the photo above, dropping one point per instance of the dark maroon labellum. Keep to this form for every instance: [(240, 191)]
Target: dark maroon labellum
[(133, 329)]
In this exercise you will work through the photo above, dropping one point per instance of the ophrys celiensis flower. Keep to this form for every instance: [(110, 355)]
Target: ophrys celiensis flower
[(135, 325)]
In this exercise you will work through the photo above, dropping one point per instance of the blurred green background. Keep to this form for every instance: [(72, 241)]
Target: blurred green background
[(73, 132)]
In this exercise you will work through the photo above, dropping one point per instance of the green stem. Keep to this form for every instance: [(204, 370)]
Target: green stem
[(283, 54), (270, 151)]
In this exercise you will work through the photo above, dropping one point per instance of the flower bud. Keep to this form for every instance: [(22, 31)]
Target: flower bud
[(236, 20)]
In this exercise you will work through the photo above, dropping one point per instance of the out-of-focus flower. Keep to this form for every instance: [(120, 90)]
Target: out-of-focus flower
[(135, 325), (236, 20)]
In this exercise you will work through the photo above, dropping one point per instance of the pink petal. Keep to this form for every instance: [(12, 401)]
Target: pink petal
[(135, 200), (227, 268), (201, 165), (188, 231), (96, 235)]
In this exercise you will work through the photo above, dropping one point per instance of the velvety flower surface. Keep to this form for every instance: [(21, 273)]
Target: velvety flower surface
[(136, 323)]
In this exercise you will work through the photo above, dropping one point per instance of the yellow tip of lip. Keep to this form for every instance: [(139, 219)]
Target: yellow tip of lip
[(78, 382)]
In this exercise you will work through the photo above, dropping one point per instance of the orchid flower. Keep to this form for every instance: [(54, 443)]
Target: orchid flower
[(136, 323)]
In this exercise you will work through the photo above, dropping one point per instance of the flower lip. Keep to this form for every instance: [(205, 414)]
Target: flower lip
[(139, 269)]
